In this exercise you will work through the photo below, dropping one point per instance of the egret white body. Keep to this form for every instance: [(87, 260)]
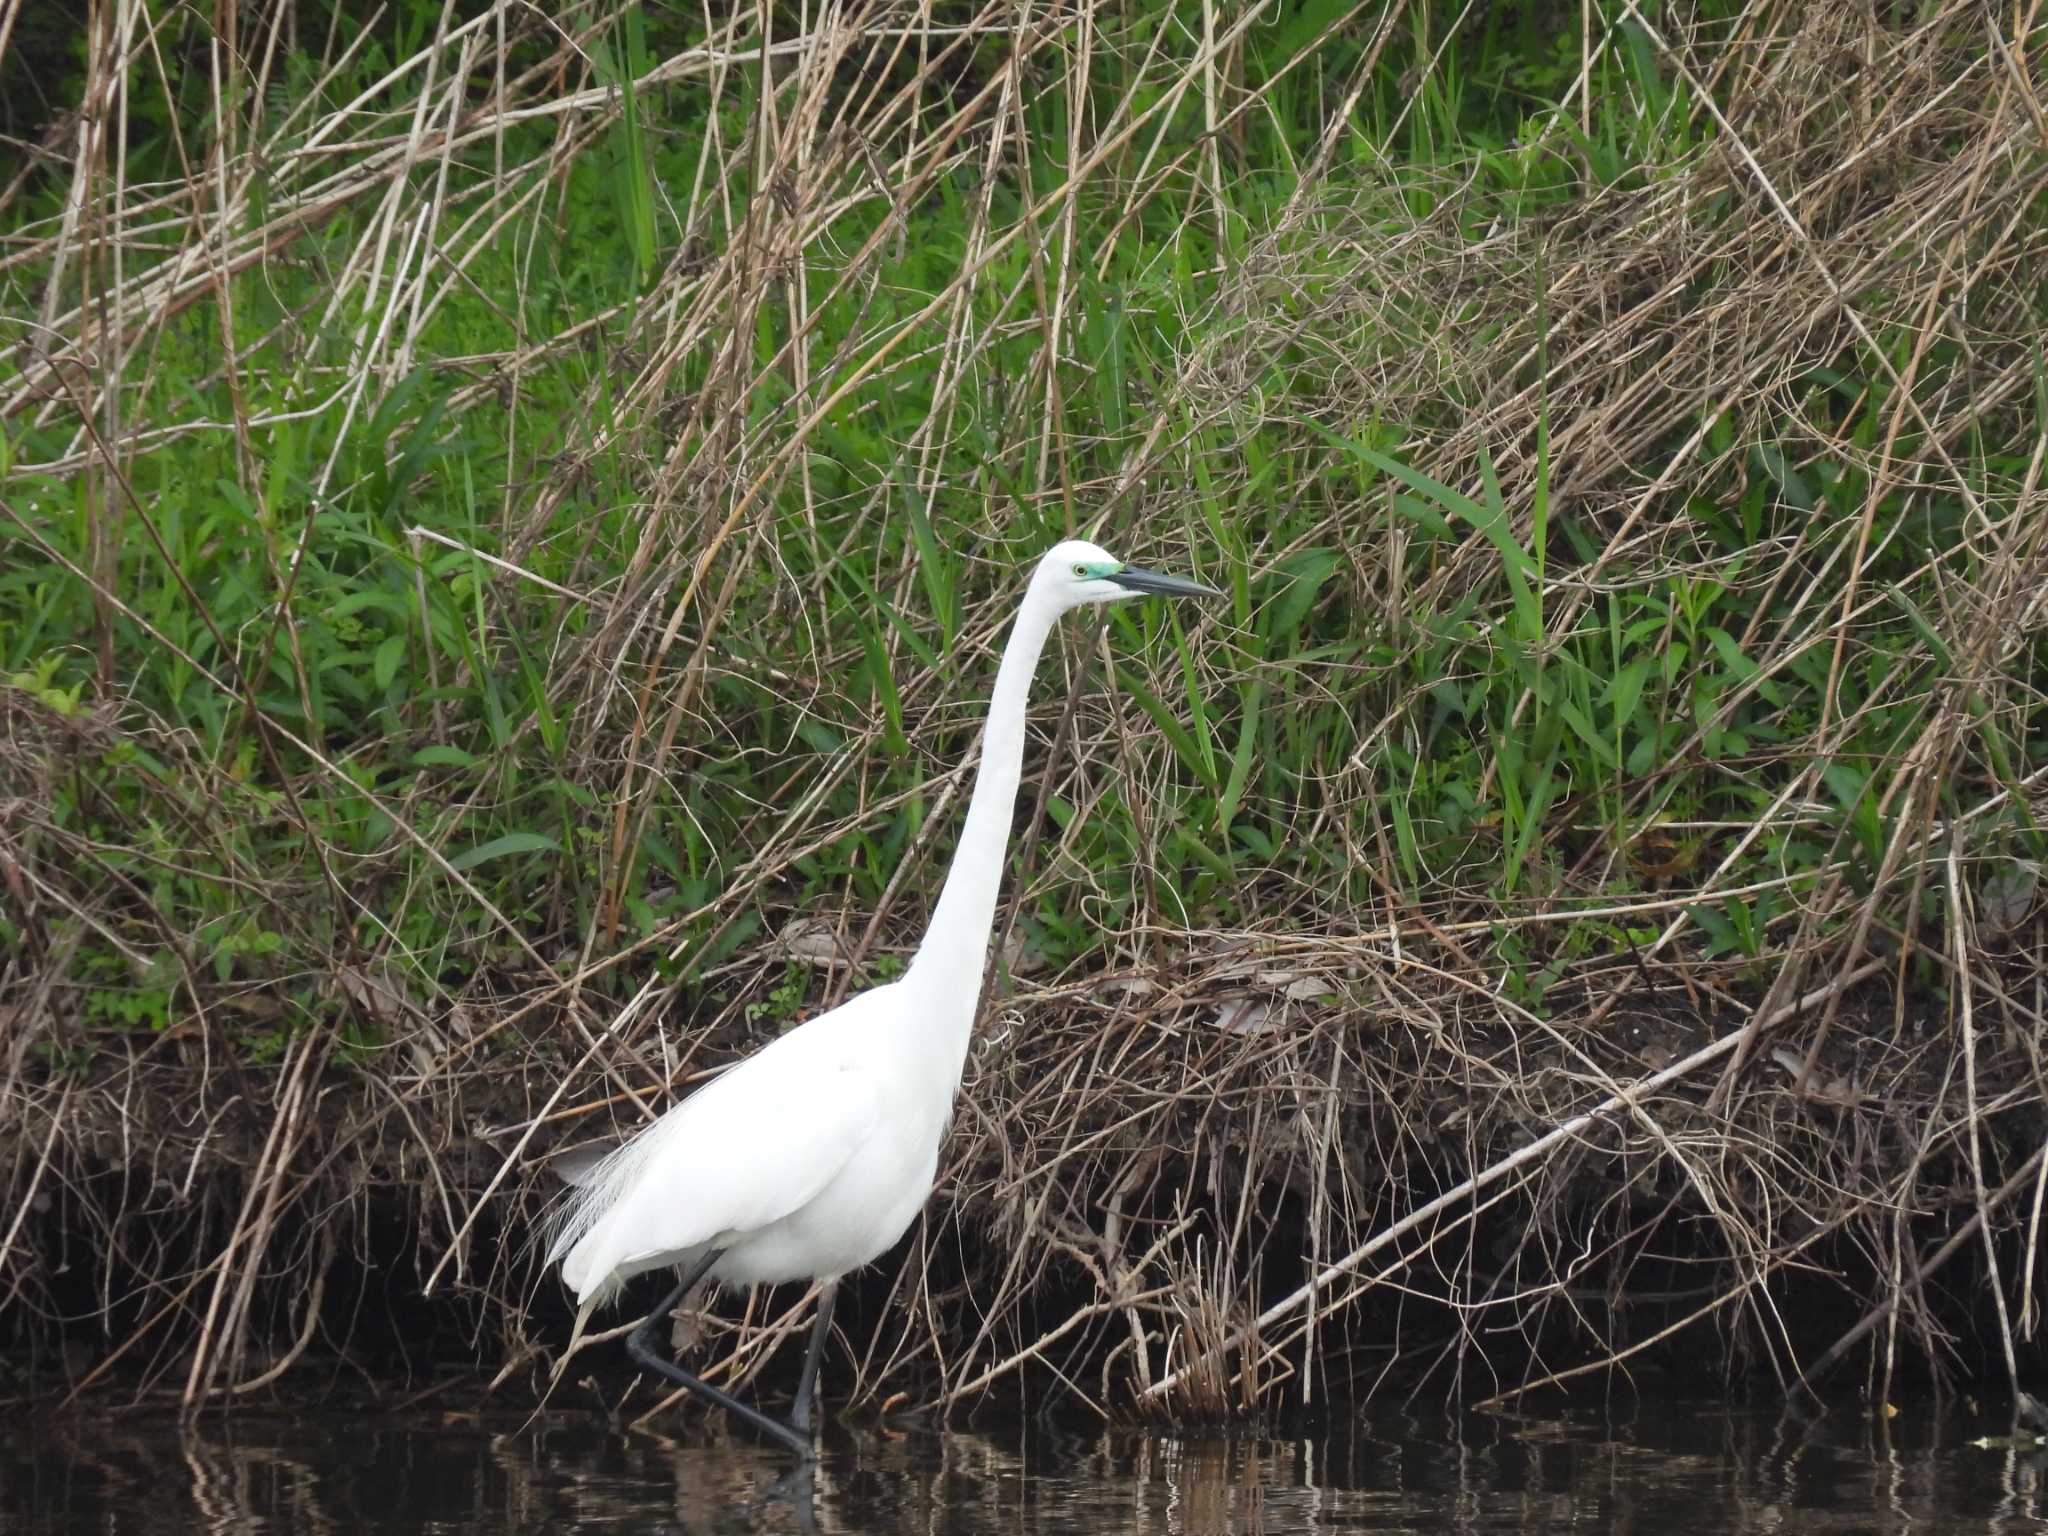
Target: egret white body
[(806, 1160), (813, 1156)]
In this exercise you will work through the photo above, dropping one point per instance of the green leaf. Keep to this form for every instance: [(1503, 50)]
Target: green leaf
[(1419, 513), (1170, 727), (1790, 481), (1626, 690), (1582, 727), (498, 847), (632, 184), (389, 602), (1925, 630), (1241, 758), (1721, 935), (1303, 574), (1492, 521), (1731, 653), (444, 757), (385, 667)]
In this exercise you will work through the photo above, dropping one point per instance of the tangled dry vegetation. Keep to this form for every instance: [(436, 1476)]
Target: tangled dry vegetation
[(1619, 773)]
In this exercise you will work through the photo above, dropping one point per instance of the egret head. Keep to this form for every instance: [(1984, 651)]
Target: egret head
[(1077, 573)]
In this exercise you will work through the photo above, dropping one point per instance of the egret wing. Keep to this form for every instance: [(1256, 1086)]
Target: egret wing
[(741, 1153)]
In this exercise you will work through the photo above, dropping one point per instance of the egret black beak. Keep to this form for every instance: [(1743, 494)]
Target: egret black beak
[(1134, 580)]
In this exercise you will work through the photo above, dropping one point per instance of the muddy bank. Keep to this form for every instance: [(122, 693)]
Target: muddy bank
[(1194, 1196)]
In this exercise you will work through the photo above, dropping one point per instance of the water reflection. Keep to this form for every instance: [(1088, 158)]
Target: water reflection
[(1663, 1469)]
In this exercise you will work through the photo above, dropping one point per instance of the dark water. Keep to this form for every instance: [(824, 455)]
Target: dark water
[(1666, 1469)]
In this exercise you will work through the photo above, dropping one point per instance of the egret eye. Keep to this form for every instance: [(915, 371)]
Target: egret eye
[(1081, 570)]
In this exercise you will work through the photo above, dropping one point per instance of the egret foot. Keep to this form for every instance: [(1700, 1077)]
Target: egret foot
[(640, 1346)]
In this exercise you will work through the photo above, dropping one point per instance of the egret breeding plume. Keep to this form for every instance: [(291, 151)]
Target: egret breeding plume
[(812, 1156)]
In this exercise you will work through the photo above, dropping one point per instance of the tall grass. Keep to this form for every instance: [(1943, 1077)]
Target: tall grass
[(509, 518)]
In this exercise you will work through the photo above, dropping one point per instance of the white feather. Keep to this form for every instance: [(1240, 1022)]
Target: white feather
[(745, 1155)]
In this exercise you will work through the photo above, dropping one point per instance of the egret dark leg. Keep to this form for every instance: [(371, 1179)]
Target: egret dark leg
[(640, 1347), (807, 1384)]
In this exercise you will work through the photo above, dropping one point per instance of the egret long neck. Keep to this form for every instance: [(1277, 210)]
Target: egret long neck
[(954, 954)]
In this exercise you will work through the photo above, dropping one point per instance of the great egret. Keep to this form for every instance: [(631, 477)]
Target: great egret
[(812, 1156)]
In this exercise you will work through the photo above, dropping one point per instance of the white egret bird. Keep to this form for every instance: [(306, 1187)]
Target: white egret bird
[(812, 1156)]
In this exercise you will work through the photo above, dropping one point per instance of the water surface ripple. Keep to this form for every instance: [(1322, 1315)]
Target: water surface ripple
[(1663, 1468)]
